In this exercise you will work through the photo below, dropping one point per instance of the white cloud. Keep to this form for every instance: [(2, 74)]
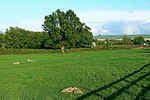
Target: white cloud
[(94, 18), (129, 30), (147, 21), (107, 15), (96, 27)]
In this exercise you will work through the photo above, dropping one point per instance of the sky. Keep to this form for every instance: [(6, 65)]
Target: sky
[(29, 14)]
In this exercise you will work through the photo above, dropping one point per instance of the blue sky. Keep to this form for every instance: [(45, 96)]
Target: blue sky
[(29, 14)]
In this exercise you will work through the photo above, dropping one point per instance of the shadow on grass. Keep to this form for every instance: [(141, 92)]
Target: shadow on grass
[(144, 91), (131, 80)]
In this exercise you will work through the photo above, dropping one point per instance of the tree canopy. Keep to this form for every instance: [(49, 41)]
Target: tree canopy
[(19, 38), (126, 40), (138, 40), (66, 29)]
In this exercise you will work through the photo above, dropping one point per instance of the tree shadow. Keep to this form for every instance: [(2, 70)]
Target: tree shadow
[(131, 80)]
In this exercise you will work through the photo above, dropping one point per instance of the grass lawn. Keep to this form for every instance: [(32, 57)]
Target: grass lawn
[(108, 74)]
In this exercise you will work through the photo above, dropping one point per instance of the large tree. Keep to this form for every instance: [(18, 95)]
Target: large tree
[(66, 29)]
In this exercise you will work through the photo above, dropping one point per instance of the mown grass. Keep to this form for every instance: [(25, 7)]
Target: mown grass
[(100, 74)]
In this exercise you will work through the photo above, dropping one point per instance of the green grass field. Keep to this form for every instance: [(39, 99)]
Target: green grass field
[(108, 74)]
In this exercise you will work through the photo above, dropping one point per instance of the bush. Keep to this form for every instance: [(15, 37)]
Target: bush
[(4, 51), (138, 40)]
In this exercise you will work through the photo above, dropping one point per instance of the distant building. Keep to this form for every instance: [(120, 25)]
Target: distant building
[(147, 39)]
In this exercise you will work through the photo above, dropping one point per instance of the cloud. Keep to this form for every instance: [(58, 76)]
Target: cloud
[(123, 27), (107, 21), (129, 30), (107, 15), (96, 27), (147, 21)]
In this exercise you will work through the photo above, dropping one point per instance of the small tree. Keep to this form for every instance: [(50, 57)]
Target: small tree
[(107, 43), (138, 40), (126, 40)]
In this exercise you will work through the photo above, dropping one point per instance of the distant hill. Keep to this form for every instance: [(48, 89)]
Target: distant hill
[(120, 36)]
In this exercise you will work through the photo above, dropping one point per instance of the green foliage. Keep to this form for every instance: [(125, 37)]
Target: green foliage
[(90, 71), (138, 40), (1, 40), (126, 40), (19, 38), (4, 51), (107, 43), (37, 40), (65, 29)]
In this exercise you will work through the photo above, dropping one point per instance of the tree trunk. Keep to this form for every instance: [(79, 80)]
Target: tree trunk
[(62, 49)]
